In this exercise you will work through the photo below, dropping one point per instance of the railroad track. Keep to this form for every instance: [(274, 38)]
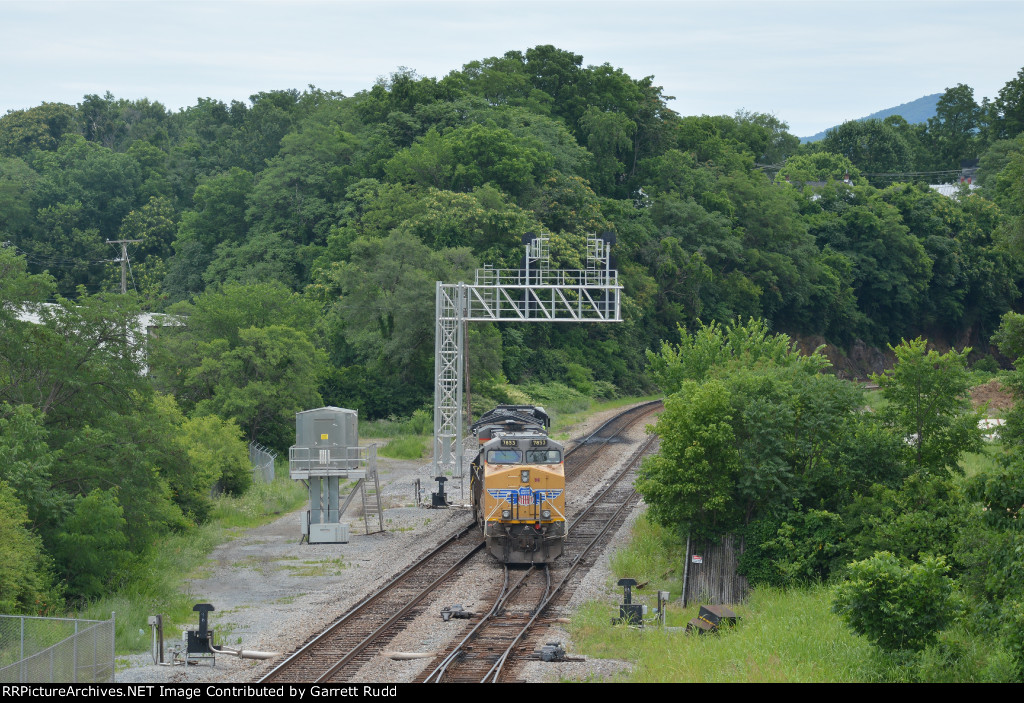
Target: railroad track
[(338, 652), (503, 637), (591, 445), (481, 654)]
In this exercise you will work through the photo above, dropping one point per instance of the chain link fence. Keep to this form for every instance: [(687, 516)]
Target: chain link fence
[(262, 460), (56, 650)]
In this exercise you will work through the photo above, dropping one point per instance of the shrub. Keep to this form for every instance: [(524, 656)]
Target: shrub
[(986, 364), (807, 547), (558, 397), (581, 378), (960, 657), (218, 451), (897, 604), (404, 448)]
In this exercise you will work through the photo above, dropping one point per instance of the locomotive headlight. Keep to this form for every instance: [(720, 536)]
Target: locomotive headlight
[(546, 514), (506, 514), (524, 475)]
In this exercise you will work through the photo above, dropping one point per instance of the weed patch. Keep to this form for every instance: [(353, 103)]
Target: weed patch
[(413, 447)]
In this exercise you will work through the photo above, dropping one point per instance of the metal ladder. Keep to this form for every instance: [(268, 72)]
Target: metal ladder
[(373, 511)]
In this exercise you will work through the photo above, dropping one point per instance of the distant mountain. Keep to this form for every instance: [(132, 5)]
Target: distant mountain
[(913, 112)]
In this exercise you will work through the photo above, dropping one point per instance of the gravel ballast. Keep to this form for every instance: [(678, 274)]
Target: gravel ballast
[(273, 594)]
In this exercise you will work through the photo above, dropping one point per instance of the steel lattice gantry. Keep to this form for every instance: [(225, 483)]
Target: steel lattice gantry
[(534, 293)]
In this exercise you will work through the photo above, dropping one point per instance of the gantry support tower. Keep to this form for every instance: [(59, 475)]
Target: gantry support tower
[(534, 293)]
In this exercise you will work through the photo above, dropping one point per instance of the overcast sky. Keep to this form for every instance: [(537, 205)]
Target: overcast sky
[(812, 63)]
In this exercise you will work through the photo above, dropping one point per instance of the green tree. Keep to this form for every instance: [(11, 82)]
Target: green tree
[(689, 483), (889, 266), (26, 576), (208, 453), (244, 352), (218, 447), (609, 136), (1010, 335), (218, 214), (26, 464), (273, 373), (79, 369), (819, 166), (1008, 109), (467, 157), (755, 426), (872, 145), (17, 186), (92, 545), (954, 126), (930, 406), (41, 127), (384, 300)]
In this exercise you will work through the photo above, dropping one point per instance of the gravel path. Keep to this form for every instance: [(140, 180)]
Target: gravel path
[(273, 594)]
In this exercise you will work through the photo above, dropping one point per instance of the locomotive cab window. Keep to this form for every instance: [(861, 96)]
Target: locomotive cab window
[(543, 456), (504, 456)]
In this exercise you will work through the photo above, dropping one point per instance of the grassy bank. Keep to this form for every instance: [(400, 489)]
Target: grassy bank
[(562, 422), (154, 584), (409, 438), (789, 636), (783, 635)]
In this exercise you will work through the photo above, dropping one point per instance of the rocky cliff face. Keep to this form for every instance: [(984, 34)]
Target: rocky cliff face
[(856, 363), (860, 360)]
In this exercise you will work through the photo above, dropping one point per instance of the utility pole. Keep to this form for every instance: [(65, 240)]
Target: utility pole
[(124, 259)]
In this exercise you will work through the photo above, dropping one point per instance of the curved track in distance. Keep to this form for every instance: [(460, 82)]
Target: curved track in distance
[(338, 652)]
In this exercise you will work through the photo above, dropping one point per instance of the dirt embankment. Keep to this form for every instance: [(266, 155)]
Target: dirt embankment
[(860, 361), (994, 395)]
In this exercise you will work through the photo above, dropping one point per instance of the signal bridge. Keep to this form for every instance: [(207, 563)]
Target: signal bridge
[(533, 293)]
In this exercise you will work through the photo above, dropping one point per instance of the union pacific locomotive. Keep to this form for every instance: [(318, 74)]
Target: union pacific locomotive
[(518, 485)]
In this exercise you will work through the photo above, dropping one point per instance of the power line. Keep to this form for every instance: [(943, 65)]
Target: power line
[(130, 273), (124, 259), (55, 261)]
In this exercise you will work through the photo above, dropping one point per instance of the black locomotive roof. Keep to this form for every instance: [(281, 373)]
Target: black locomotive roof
[(513, 418)]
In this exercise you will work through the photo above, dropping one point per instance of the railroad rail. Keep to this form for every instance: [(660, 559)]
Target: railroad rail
[(338, 652), (588, 447), (500, 635)]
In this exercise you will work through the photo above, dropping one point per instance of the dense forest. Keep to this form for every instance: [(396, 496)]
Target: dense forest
[(296, 238)]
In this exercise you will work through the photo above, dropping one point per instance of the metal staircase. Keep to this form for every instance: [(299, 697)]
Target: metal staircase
[(373, 511)]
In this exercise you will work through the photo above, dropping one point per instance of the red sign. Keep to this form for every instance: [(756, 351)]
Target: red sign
[(697, 559)]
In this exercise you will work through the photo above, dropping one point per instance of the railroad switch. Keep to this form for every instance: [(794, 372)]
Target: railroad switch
[(630, 613), (439, 499), (455, 611), (200, 643)]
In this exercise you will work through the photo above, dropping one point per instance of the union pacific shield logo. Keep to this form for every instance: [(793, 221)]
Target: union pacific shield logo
[(525, 496)]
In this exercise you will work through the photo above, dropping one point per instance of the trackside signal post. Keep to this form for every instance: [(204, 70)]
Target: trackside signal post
[(534, 293)]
